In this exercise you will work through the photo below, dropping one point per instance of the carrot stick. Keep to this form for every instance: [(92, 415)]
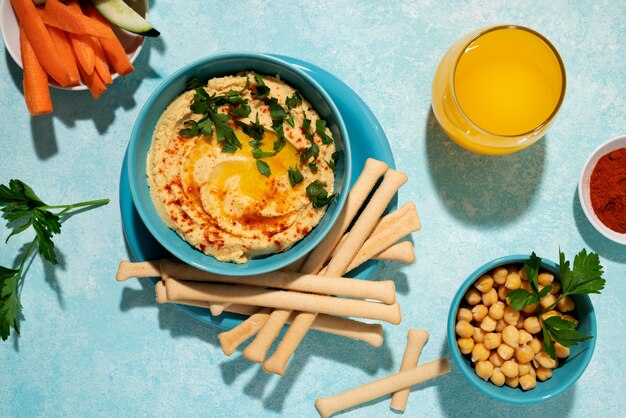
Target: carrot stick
[(112, 47), (71, 19), (85, 55), (64, 47), (93, 81), (36, 90), (41, 41), (101, 65)]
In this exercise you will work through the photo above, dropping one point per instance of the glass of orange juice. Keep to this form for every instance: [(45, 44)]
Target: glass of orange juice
[(498, 89)]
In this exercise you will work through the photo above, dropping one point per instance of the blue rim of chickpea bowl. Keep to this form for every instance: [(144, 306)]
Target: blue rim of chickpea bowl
[(215, 66), (564, 376)]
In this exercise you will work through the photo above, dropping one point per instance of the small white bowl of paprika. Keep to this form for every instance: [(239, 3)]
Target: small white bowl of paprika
[(602, 189)]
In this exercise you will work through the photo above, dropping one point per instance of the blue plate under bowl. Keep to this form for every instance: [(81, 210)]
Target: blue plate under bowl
[(216, 66), (563, 377)]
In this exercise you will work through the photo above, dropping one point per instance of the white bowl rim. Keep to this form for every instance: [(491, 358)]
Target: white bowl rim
[(583, 187)]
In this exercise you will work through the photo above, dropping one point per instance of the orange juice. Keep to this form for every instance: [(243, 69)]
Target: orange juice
[(497, 90)]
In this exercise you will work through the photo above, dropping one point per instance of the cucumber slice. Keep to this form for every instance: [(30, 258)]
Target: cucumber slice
[(121, 14)]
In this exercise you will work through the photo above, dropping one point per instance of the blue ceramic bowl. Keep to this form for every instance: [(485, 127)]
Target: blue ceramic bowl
[(563, 377), (172, 87)]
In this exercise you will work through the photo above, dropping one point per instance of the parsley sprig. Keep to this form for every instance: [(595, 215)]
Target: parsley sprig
[(20, 205), (585, 277), (207, 105)]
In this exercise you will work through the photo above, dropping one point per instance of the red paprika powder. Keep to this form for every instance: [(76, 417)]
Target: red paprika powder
[(608, 190)]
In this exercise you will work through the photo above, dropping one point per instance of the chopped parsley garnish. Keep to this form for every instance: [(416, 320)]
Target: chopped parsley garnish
[(255, 130), (290, 121), (262, 91), (334, 158), (320, 128), (313, 167), (293, 101), (312, 151), (279, 144), (263, 167), (258, 153), (318, 195), (295, 176), (306, 123)]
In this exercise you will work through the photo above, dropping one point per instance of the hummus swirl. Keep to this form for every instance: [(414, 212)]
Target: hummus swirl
[(228, 204)]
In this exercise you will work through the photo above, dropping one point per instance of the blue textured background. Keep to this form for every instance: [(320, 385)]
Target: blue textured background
[(93, 347)]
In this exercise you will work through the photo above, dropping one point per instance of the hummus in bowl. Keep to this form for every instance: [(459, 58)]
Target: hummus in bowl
[(237, 166)]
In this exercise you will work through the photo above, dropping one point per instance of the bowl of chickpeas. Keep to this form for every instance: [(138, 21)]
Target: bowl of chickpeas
[(500, 350)]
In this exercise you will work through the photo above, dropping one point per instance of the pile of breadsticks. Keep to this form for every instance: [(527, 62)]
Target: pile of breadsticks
[(303, 294)]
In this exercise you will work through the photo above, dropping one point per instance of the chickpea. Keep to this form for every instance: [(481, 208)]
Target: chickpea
[(499, 275), (466, 345), (500, 325), (502, 291), (509, 368), (513, 281), (560, 350), (479, 312), (492, 341), (524, 368), (545, 279), (520, 322), (543, 373), (524, 354), (524, 337), (536, 345), (510, 335), (495, 359), (473, 297), (531, 324), (566, 304), (530, 309), (479, 335), (464, 329), (511, 381), (547, 301), (526, 286), (488, 324), (544, 360), (505, 351), (480, 353), (549, 314), (522, 274), (497, 378), (490, 297), (484, 370), (556, 287), (484, 283), (527, 382), (496, 311), (570, 318), (464, 314), (510, 315)]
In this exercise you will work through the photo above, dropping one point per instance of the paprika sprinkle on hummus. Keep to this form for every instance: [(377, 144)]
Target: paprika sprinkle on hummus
[(241, 167), (608, 190)]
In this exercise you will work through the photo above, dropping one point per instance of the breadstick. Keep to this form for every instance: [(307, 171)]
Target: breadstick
[(309, 283), (414, 345), (258, 348), (229, 340), (127, 269), (372, 334), (314, 262), (370, 391), (402, 252), (385, 222), (372, 171), (408, 223), (337, 266), (307, 302)]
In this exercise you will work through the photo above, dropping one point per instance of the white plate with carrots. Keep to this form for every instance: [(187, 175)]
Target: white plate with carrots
[(90, 53)]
